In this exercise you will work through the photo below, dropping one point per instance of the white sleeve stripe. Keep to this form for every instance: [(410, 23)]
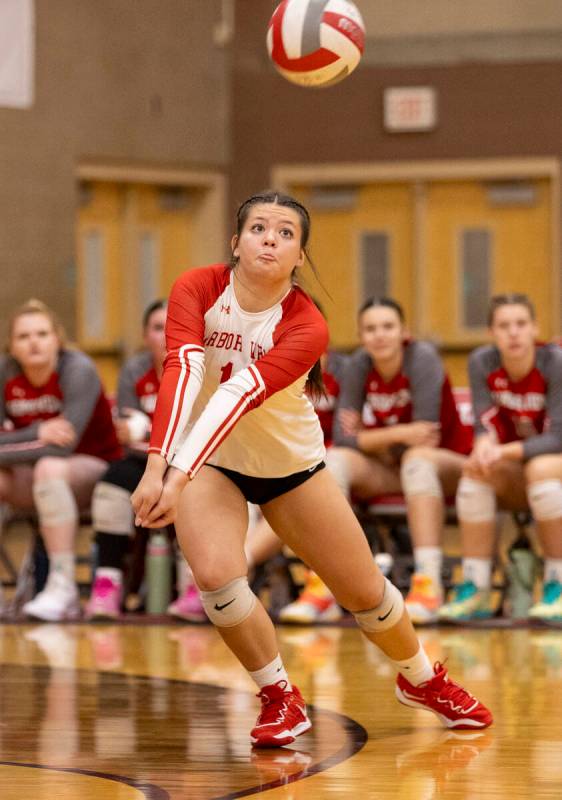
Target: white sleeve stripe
[(180, 409), (228, 423)]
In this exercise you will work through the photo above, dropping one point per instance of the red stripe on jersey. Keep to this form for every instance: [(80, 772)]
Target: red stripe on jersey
[(179, 395), (223, 430)]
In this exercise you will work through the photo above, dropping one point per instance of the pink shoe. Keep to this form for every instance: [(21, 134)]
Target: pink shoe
[(105, 599), (188, 606)]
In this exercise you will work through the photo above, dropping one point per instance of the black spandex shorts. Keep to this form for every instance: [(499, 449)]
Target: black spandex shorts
[(262, 490)]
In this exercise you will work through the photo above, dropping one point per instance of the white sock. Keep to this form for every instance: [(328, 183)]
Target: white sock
[(63, 564), (479, 571), (115, 575), (553, 570), (270, 674), (428, 560), (417, 669)]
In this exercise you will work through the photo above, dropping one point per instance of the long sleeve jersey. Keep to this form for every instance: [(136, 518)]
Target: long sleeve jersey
[(528, 410), (138, 385), (233, 388), (137, 392), (325, 405), (420, 391), (73, 391)]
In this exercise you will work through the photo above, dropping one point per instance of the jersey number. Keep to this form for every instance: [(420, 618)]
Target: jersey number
[(226, 371)]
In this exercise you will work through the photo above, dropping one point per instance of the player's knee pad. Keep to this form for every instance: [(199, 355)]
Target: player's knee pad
[(111, 509), (476, 501), (231, 604), (419, 476), (545, 499), (55, 502), (386, 615), (337, 463)]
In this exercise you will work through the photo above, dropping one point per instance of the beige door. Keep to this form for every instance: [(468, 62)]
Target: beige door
[(483, 238), (133, 240), (441, 247), (361, 245)]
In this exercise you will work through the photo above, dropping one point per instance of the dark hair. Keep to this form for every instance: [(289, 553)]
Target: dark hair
[(509, 299), (279, 199), (157, 305), (385, 302), (314, 383)]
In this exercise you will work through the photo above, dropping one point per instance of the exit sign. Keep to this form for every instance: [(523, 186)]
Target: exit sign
[(410, 108)]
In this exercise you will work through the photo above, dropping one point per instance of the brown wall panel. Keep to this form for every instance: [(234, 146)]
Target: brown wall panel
[(485, 110), (122, 81)]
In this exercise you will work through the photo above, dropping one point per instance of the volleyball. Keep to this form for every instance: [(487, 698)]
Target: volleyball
[(315, 42)]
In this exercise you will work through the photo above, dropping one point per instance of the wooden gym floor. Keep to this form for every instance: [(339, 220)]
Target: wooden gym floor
[(163, 712)]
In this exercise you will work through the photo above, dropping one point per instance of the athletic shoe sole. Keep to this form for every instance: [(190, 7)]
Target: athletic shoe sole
[(283, 738), (459, 724)]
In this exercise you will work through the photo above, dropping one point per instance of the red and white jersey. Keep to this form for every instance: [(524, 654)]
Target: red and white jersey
[(325, 405), (529, 409), (233, 389), (138, 385), (421, 390), (73, 391)]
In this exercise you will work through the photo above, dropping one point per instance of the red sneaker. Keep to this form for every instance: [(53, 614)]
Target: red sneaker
[(455, 707), (282, 717)]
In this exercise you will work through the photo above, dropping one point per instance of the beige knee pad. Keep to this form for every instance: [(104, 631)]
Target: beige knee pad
[(336, 461), (419, 477), (55, 502), (545, 499), (231, 604), (384, 616), (111, 509), (476, 501)]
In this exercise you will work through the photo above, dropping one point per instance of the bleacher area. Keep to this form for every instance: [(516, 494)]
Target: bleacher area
[(24, 564)]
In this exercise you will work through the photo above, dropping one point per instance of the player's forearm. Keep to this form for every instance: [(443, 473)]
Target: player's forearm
[(373, 441)]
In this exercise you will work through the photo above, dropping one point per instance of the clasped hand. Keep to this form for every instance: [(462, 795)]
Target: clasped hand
[(156, 498)]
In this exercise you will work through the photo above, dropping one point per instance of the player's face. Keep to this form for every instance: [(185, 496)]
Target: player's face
[(269, 245), (34, 342), (154, 334), (381, 333), (514, 330)]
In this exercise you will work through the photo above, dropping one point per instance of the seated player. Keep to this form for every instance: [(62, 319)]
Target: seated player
[(398, 430), (112, 514), (516, 462), (316, 603), (56, 441)]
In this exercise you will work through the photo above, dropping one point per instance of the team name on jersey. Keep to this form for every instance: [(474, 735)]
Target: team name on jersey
[(384, 403), (46, 404), (530, 401), (222, 340)]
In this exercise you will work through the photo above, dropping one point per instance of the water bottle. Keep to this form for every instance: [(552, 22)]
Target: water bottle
[(158, 573), (522, 571)]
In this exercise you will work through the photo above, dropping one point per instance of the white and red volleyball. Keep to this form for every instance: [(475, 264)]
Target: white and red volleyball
[(315, 42)]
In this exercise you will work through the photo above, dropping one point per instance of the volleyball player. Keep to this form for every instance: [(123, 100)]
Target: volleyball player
[(233, 424), (516, 463), (398, 430), (112, 516), (56, 442)]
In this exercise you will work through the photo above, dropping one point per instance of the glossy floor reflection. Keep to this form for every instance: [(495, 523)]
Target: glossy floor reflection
[(163, 712)]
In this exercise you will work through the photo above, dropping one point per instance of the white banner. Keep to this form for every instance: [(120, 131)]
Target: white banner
[(17, 45)]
